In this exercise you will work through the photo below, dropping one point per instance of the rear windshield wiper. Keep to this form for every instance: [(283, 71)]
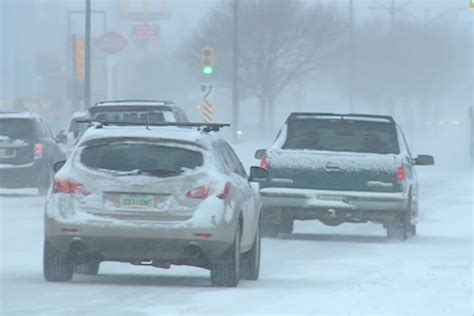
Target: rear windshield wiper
[(160, 172)]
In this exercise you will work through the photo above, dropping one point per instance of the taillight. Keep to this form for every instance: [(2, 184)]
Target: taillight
[(69, 187), (401, 174), (200, 193), (203, 192), (265, 164), (38, 150), (227, 189)]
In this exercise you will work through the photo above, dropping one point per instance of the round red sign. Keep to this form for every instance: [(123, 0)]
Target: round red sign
[(111, 42)]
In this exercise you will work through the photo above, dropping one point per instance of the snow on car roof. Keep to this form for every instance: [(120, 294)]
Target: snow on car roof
[(79, 115), (18, 115), (135, 103), (163, 132)]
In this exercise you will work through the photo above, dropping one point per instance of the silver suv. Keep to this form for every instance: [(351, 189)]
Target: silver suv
[(154, 196)]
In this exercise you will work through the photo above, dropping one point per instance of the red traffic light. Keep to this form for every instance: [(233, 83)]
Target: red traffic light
[(207, 52)]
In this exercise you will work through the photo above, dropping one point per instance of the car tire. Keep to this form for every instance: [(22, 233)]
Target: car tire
[(268, 230), (286, 226), (88, 268), (250, 261), (398, 229), (57, 267), (45, 184), (226, 272)]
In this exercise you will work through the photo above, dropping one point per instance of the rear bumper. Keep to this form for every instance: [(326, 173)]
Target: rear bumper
[(137, 250), (324, 200), (22, 176), (130, 242)]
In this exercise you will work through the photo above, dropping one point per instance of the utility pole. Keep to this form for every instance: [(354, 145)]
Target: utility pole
[(352, 57), (87, 74), (235, 79)]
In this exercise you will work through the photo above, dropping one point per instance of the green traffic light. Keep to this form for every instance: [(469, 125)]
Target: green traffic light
[(207, 70)]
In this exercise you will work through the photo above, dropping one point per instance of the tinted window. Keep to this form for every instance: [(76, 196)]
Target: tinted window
[(16, 128), (342, 135), (234, 160), (147, 158), (136, 116)]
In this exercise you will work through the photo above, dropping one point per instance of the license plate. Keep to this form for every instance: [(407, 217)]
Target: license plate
[(134, 201), (7, 153)]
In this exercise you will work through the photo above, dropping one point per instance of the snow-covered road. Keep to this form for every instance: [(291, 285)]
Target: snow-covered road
[(347, 270)]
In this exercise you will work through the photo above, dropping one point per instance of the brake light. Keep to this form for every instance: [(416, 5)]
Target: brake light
[(200, 193), (227, 189), (38, 150), (401, 174), (265, 164), (69, 187)]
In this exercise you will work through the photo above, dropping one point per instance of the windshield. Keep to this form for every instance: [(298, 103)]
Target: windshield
[(342, 135), (137, 158), (14, 129)]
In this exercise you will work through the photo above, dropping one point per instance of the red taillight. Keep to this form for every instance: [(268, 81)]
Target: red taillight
[(203, 192), (200, 193), (401, 174), (38, 150), (227, 188), (265, 164), (69, 187)]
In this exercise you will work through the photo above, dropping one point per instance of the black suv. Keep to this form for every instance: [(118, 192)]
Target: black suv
[(28, 151)]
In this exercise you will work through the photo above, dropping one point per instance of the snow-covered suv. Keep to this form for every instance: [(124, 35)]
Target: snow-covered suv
[(152, 196)]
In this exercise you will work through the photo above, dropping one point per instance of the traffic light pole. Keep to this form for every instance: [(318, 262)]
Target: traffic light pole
[(235, 79), (87, 74)]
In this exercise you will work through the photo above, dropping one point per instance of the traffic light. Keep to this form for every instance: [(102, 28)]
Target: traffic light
[(471, 3), (207, 61)]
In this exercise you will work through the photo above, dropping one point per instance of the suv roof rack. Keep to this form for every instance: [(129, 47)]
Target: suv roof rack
[(205, 127), (164, 102), (342, 116)]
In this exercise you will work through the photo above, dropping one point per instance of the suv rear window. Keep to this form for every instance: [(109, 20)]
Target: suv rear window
[(141, 158), (342, 135), (16, 128), (135, 116)]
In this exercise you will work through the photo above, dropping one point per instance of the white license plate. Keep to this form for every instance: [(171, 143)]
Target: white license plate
[(135, 201)]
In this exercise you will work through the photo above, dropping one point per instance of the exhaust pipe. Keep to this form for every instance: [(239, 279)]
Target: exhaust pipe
[(192, 250), (77, 246)]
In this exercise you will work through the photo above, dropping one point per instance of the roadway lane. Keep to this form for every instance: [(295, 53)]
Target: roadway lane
[(347, 270)]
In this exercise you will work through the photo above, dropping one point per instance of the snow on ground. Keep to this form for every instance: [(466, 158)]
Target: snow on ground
[(318, 270)]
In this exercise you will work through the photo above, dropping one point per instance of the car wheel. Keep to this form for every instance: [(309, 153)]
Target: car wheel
[(398, 228), (286, 226), (250, 261), (88, 268), (226, 272), (44, 187), (57, 267), (268, 230)]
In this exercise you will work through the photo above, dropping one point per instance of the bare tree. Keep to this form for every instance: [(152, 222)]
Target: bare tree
[(281, 42)]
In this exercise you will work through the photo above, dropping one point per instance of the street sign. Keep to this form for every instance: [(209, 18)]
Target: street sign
[(111, 42), (207, 111), (146, 32)]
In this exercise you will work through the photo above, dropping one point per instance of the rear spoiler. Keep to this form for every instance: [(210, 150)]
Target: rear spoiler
[(295, 115), (205, 127)]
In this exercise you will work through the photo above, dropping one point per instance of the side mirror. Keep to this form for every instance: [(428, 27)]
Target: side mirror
[(258, 174), (424, 160), (61, 137), (260, 153), (58, 165)]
